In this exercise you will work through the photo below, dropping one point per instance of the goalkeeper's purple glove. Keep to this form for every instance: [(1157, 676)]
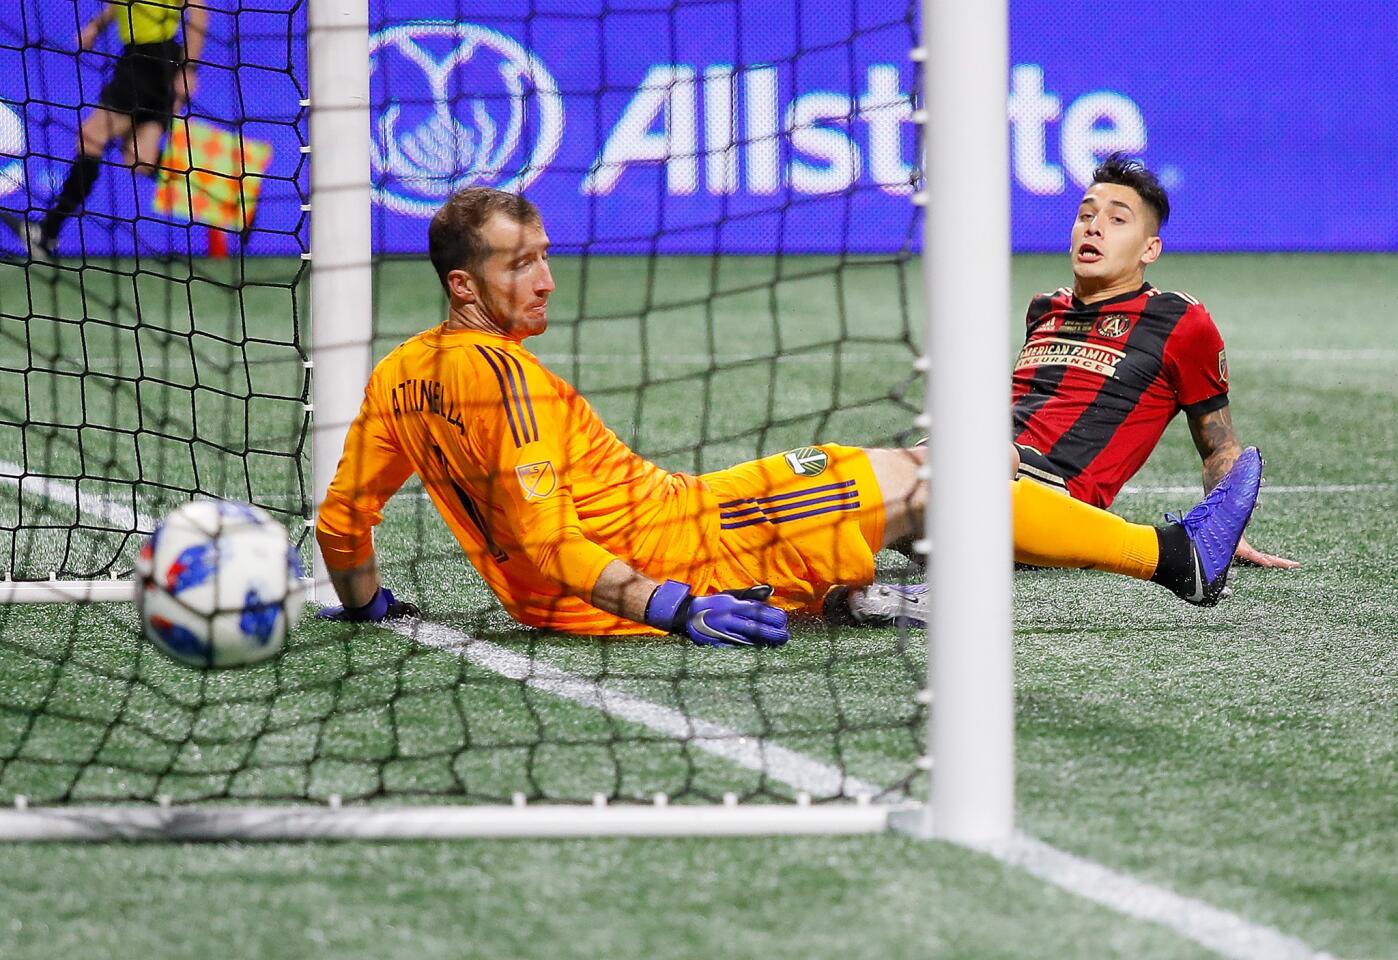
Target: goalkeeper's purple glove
[(383, 606), (733, 618)]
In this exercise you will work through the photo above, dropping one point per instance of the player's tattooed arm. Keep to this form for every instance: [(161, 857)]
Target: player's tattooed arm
[(1216, 442), (1218, 447)]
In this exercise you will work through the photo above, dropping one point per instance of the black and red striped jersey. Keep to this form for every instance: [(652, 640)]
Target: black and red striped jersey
[(1096, 384)]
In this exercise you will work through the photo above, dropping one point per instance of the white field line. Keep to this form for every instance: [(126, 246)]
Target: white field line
[(1225, 933), (105, 364), (1185, 488), (69, 493), (1190, 489), (1267, 488), (796, 770), (1321, 354), (658, 359)]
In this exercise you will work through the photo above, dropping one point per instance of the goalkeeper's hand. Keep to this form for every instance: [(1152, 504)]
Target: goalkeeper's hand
[(733, 618), (383, 606)]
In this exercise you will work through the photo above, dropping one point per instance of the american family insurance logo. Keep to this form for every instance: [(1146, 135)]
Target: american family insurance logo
[(1055, 351)]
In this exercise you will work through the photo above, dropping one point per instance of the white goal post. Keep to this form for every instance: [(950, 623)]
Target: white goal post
[(342, 303), (966, 243), (966, 284)]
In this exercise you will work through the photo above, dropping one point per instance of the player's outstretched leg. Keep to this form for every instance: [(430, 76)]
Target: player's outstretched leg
[(1190, 555), (1196, 550)]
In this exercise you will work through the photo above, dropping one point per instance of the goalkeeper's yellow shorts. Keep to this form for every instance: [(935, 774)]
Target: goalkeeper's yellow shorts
[(802, 521)]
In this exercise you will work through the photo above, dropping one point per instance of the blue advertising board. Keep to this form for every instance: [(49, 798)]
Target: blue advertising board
[(251, 80), (759, 125)]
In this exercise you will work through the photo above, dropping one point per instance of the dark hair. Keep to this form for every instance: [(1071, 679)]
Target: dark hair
[(454, 240), (1121, 169)]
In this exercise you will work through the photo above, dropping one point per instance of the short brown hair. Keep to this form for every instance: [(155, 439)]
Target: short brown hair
[(1120, 169), (454, 240)]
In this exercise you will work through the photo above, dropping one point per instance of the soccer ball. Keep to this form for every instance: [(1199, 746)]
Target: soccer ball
[(218, 584)]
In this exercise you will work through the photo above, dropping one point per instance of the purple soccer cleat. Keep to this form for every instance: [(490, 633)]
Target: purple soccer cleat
[(1215, 526)]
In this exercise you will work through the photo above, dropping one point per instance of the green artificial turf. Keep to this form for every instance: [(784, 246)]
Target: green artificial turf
[(1244, 756)]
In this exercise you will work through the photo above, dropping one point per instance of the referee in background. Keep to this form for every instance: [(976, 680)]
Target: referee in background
[(152, 80)]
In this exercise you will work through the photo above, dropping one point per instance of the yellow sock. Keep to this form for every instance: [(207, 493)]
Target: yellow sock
[(1054, 530)]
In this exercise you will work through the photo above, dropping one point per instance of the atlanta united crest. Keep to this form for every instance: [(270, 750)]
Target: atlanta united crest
[(537, 480), (807, 461), (1113, 325)]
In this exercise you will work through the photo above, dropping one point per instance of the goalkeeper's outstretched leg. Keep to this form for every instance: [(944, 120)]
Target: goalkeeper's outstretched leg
[(1189, 555), (907, 544)]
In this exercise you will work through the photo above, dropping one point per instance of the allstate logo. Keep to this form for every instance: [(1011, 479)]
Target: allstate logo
[(11, 150), (463, 106)]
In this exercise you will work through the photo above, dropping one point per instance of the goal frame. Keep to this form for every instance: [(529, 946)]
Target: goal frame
[(966, 254), (518, 820)]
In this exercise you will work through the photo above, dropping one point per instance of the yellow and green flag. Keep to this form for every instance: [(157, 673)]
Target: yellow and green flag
[(211, 175)]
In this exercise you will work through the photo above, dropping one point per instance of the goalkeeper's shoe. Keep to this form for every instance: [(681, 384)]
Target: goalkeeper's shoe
[(890, 604), (1213, 529)]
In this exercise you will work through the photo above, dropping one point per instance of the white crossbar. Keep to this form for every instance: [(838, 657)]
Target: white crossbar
[(437, 823), (67, 591)]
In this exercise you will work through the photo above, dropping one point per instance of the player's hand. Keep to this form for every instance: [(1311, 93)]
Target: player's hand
[(733, 618), (87, 39), (383, 606), (1250, 556), (737, 618)]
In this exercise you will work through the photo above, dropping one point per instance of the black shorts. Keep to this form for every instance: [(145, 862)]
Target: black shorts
[(143, 82), (1033, 465)]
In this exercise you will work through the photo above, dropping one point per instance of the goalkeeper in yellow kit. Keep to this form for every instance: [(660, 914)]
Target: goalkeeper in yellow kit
[(575, 532)]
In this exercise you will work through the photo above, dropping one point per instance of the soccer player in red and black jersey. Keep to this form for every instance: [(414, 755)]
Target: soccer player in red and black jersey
[(1108, 363)]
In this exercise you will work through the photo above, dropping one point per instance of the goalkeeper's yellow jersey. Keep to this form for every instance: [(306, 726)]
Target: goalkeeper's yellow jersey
[(146, 21), (537, 490)]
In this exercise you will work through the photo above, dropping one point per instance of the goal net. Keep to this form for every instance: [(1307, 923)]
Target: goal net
[(150, 349), (729, 190)]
